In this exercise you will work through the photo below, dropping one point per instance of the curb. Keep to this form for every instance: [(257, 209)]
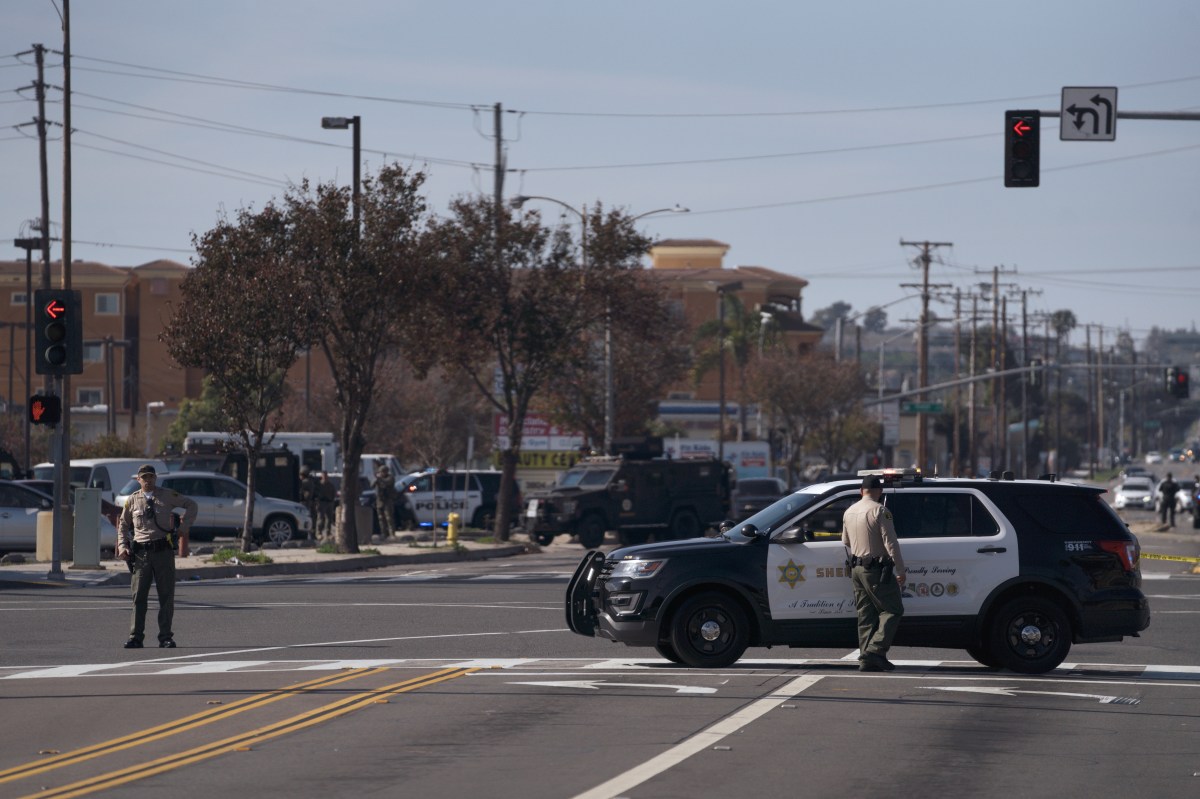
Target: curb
[(336, 563)]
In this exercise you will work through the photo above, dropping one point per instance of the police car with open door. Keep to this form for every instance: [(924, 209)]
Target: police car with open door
[(1013, 571)]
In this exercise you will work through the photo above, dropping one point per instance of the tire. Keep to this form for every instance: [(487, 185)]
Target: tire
[(542, 538), (1196, 519), (1030, 635), (279, 529), (630, 538), (684, 524), (484, 518), (709, 631), (984, 656), (666, 650), (591, 531)]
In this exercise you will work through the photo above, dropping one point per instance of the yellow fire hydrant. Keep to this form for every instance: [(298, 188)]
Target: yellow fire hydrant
[(453, 523)]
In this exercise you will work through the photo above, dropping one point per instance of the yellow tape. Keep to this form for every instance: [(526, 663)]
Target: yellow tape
[(1170, 557)]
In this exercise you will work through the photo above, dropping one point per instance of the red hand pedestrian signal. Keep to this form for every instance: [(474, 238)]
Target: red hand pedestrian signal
[(45, 409)]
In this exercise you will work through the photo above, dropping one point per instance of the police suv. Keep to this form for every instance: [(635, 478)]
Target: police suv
[(1012, 571)]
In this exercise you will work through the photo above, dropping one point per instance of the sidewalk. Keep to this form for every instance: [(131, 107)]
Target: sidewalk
[(298, 560)]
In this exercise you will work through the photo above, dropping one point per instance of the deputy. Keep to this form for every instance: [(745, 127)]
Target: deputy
[(876, 572), (144, 542)]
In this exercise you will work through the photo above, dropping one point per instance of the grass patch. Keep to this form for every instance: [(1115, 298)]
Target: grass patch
[(228, 554)]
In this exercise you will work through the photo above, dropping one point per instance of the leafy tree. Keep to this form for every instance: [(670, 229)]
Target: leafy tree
[(203, 413), (246, 313), (525, 305), (108, 446), (376, 294), (817, 403), (744, 332), (875, 320), (827, 317)]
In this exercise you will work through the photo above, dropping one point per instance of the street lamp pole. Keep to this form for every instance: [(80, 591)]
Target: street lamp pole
[(341, 123), (28, 245)]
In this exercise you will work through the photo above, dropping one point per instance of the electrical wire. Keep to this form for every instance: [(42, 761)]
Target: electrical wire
[(273, 184), (231, 170)]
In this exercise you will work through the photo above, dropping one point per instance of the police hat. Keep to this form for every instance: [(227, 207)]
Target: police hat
[(145, 469), (872, 481)]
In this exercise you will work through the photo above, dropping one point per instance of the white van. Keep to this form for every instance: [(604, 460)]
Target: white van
[(106, 474)]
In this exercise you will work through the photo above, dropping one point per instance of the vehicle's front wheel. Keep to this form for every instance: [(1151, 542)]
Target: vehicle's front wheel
[(1030, 635), (983, 655), (666, 650), (279, 529), (709, 631), (685, 525), (591, 531)]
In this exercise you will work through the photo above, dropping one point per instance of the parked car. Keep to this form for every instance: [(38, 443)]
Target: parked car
[(19, 507), (1153, 457), (222, 502), (1135, 492), (752, 494), (424, 497)]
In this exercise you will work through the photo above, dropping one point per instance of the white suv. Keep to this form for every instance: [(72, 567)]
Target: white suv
[(222, 502)]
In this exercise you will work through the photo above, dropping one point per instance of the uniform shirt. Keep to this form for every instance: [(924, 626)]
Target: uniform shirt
[(144, 521), (867, 532), (385, 490)]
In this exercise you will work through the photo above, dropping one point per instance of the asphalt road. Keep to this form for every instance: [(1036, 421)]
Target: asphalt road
[(461, 680)]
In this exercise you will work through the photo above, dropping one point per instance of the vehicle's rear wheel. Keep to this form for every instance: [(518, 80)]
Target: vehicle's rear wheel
[(591, 531), (666, 650), (1030, 635), (542, 538), (684, 524), (279, 529), (709, 631)]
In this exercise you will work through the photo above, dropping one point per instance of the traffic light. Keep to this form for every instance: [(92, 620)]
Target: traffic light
[(1022, 142), (1176, 380), (58, 332), (45, 409)]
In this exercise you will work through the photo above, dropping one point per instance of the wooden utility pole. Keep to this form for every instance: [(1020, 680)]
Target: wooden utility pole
[(925, 258)]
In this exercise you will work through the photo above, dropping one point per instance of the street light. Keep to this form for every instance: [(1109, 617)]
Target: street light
[(609, 390), (341, 123), (722, 289)]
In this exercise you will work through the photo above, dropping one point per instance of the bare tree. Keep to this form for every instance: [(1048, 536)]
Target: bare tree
[(246, 314)]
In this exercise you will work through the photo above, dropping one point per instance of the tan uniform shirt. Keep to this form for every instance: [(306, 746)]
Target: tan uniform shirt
[(867, 532), (143, 524)]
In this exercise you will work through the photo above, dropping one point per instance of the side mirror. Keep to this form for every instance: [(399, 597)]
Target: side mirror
[(726, 526)]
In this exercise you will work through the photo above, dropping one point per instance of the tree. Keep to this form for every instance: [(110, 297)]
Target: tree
[(827, 317), (525, 303), (743, 333), (875, 320), (246, 313), (377, 293), (814, 401), (203, 413)]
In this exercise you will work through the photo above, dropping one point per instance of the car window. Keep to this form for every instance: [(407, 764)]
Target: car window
[(939, 515), (1065, 513), (761, 485), (13, 497), (826, 521), (130, 487), (448, 483), (226, 489), (100, 478)]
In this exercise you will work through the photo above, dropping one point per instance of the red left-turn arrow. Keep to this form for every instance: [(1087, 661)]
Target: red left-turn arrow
[(54, 308), (1021, 128)]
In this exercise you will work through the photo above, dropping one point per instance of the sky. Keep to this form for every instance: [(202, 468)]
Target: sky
[(811, 137)]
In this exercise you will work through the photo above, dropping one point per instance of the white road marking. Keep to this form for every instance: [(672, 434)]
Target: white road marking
[(999, 691), (702, 740), (594, 685)]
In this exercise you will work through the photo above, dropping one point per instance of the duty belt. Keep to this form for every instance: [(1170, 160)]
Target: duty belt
[(870, 563), (156, 545)]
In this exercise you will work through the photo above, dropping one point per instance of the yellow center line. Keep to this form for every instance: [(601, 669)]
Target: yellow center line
[(245, 740), (177, 726)]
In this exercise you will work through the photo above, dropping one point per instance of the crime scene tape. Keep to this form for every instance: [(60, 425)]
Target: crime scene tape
[(1183, 558)]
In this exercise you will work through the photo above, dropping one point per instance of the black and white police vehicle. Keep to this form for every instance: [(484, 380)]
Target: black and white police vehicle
[(1012, 571)]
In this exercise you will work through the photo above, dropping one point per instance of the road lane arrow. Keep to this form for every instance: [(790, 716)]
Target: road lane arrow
[(979, 689), (595, 685)]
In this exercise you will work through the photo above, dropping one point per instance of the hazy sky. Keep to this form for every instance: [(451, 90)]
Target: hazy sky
[(810, 137)]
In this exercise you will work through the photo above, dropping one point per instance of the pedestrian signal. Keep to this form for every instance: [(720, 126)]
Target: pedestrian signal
[(45, 409)]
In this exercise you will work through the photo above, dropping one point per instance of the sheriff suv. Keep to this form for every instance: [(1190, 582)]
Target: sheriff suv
[(1012, 571)]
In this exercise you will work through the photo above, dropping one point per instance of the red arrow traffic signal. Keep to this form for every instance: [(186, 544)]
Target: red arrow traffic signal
[(54, 308), (1021, 128)]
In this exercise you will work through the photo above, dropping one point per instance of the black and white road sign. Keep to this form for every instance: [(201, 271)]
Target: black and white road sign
[(1089, 113)]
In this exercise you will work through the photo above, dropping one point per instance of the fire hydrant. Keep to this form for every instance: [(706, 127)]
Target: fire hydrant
[(453, 523)]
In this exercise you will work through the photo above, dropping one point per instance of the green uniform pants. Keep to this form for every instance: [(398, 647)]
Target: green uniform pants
[(877, 600), (157, 567)]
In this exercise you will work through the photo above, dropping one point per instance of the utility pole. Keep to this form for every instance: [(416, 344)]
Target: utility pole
[(955, 438), (1091, 458), (925, 259), (497, 115)]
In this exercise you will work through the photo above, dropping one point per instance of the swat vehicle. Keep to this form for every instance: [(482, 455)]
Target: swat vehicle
[(637, 493)]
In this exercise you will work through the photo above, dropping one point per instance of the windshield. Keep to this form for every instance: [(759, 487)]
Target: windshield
[(769, 519), (586, 478), (129, 488)]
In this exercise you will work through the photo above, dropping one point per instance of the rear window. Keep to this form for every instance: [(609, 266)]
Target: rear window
[(1067, 513)]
